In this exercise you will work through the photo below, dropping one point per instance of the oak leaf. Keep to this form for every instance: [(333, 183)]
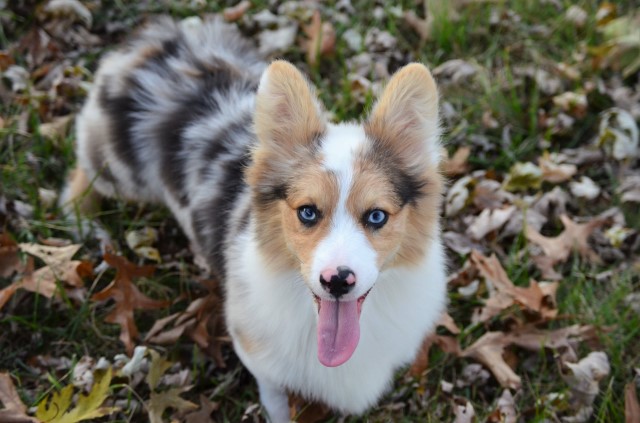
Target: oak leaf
[(14, 410), (574, 237), (170, 398), (203, 415), (127, 297)]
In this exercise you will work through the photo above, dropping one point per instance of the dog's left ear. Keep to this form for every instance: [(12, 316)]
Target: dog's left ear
[(405, 118)]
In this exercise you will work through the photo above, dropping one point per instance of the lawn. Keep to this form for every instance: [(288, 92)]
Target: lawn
[(540, 103)]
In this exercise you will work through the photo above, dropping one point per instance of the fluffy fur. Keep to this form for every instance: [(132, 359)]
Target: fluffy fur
[(189, 116)]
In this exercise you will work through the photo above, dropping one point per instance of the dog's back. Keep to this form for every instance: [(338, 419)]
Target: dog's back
[(169, 120)]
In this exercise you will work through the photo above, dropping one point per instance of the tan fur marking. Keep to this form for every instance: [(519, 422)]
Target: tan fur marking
[(407, 113), (81, 193), (287, 113), (404, 238), (314, 187)]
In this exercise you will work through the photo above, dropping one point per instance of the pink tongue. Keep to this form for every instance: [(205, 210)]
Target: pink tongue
[(338, 331)]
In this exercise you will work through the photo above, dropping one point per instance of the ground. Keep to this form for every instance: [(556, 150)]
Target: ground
[(539, 102)]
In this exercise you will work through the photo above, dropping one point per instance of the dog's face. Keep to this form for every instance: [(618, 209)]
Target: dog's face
[(344, 202)]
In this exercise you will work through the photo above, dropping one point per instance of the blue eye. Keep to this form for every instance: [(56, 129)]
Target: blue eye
[(376, 218), (308, 215)]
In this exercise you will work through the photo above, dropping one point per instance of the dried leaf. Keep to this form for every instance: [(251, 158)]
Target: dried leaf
[(522, 177), (236, 12), (490, 220), (55, 409), (159, 365), (506, 409), (14, 410), (585, 188), (458, 196), (170, 398), (489, 350), (584, 376), (10, 262), (629, 189), (553, 171), (203, 415), (618, 134), (631, 406), (141, 241), (69, 9), (455, 71), (127, 297), (457, 164), (321, 39), (278, 40), (574, 237), (463, 411)]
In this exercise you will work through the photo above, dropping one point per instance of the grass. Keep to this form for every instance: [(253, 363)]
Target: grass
[(528, 34)]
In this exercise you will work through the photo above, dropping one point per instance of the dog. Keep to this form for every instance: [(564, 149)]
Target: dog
[(326, 235)]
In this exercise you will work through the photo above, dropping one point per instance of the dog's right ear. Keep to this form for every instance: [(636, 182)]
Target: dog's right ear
[(288, 113)]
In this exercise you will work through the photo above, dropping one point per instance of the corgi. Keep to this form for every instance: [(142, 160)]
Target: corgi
[(326, 236)]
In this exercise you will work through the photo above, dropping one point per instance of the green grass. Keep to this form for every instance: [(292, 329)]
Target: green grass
[(530, 34)]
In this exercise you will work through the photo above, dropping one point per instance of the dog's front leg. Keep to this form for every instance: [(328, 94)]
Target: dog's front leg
[(274, 399)]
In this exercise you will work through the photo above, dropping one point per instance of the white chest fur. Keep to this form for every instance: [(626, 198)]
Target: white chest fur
[(272, 318)]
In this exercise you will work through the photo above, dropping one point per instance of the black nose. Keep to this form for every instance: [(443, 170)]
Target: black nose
[(338, 281)]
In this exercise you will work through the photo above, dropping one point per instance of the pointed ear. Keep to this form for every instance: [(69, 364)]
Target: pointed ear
[(405, 118), (287, 111)]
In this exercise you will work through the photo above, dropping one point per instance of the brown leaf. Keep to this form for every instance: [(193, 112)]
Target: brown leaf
[(505, 411), (555, 172), (303, 411), (489, 350), (631, 406), (14, 410), (10, 262), (321, 39), (574, 237), (234, 13), (457, 164), (503, 294), (127, 297), (203, 415), (584, 377)]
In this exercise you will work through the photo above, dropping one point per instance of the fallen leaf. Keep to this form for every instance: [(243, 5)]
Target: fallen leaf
[(141, 241), (161, 401), (10, 262), (14, 410), (56, 407), (631, 406), (585, 188), (554, 171), (455, 71), (69, 9), (576, 15), (276, 41), (522, 177), (584, 377), (236, 12), (203, 415), (538, 302), (321, 39), (505, 411), (629, 189), (457, 164), (58, 128), (159, 365), (303, 411), (489, 220), (618, 134), (463, 411), (201, 321), (458, 196), (574, 237), (127, 297), (489, 350)]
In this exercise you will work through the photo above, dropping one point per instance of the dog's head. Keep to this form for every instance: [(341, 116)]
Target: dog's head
[(344, 202)]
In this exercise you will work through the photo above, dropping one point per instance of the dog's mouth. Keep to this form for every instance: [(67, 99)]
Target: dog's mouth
[(338, 329)]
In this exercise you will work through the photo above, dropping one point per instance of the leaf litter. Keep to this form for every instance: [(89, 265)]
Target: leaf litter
[(545, 206)]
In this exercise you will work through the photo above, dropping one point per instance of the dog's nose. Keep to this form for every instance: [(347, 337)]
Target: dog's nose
[(338, 281)]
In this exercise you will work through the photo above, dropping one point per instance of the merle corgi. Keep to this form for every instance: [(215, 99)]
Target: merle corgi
[(325, 235)]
